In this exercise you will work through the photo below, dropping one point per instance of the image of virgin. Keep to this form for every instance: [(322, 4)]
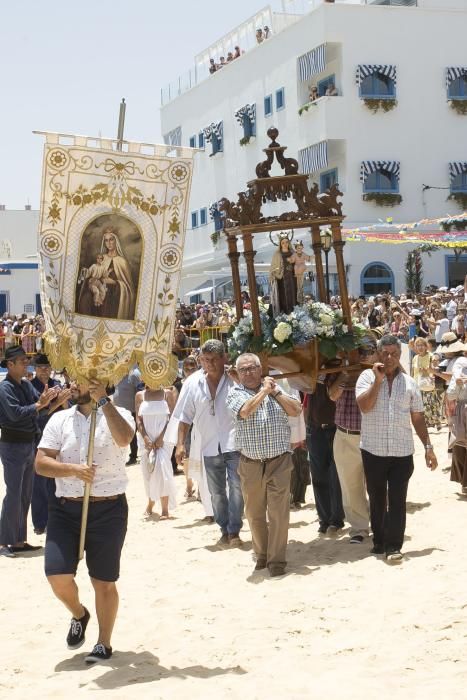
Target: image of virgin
[(118, 299)]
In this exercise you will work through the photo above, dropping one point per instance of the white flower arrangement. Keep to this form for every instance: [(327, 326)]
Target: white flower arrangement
[(307, 322)]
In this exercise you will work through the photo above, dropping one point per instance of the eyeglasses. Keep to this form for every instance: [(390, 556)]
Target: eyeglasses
[(212, 408), (248, 370)]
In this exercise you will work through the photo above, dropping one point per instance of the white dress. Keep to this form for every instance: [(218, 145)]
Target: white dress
[(157, 465)]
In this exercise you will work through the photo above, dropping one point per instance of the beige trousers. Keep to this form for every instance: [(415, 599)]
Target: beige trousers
[(266, 490), (349, 465)]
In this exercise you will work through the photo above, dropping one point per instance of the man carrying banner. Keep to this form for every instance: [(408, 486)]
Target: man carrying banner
[(62, 455)]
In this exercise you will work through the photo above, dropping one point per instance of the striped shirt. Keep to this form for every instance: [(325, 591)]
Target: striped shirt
[(387, 429), (266, 432)]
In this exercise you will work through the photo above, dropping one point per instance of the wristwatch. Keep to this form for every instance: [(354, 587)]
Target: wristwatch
[(103, 402), (428, 447)]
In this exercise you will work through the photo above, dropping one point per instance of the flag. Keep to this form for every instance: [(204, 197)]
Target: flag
[(111, 237)]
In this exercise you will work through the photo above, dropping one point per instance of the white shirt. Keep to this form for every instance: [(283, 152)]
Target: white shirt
[(442, 327), (387, 429), (451, 309), (195, 406), (68, 432)]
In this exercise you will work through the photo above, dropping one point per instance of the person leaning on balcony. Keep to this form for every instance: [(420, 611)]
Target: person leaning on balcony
[(259, 36), (313, 96), (331, 90), (212, 66), (237, 52)]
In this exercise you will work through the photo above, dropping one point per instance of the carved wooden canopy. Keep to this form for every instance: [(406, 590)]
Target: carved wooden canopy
[(311, 207)]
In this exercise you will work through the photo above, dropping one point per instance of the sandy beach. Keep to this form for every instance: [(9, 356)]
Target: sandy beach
[(195, 621)]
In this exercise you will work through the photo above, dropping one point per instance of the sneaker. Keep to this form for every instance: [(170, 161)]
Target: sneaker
[(6, 552), (356, 539), (394, 557), (333, 530), (235, 541), (75, 637), (99, 653), (223, 541)]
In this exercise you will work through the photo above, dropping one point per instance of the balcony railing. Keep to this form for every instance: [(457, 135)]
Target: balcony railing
[(244, 36)]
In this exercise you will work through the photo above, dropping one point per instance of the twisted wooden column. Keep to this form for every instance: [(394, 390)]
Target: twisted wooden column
[(249, 255), (234, 257), (338, 245), (317, 248)]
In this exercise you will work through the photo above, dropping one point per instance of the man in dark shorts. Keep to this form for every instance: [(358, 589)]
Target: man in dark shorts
[(62, 455)]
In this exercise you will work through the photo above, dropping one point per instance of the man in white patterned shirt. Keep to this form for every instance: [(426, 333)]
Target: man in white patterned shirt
[(390, 403), (62, 454), (263, 438)]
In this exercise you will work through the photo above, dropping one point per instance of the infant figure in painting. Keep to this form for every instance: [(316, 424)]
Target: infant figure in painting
[(299, 260), (96, 275)]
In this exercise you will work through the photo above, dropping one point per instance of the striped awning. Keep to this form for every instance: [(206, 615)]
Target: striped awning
[(214, 129), (312, 62), (368, 167), (454, 72), (313, 157), (248, 111), (457, 168), (366, 69), (174, 137)]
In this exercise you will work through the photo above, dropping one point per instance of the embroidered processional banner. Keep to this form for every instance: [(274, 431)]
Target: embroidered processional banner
[(111, 237)]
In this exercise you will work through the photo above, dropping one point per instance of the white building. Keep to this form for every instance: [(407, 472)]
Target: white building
[(408, 56), (19, 276)]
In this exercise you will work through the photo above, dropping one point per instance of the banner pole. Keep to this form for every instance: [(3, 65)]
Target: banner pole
[(121, 124), (87, 488)]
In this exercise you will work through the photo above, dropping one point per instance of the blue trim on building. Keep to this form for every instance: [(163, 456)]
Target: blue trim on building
[(19, 266), (376, 280)]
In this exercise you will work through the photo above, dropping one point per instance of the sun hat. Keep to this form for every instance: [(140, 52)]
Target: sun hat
[(11, 354)]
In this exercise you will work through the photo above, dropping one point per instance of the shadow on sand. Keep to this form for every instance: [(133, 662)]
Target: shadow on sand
[(129, 668)]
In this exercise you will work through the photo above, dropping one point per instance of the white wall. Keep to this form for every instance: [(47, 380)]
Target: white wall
[(422, 132), (18, 247)]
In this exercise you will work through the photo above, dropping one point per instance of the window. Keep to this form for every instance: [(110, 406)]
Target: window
[(200, 140), (381, 181), (203, 216), (377, 85), (325, 83), (194, 219), (249, 127), (216, 143), (458, 88), (376, 278), (268, 106), (459, 183), (192, 141), (327, 179), (280, 99), (218, 221)]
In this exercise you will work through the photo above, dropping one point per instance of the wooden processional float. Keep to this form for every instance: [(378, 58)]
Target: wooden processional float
[(244, 220)]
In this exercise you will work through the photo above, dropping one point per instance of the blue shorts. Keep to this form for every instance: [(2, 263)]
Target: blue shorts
[(105, 535)]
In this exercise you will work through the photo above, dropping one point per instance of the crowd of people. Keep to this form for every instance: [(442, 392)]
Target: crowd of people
[(261, 35), (249, 444), (22, 330)]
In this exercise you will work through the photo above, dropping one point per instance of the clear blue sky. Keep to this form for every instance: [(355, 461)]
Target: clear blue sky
[(64, 66)]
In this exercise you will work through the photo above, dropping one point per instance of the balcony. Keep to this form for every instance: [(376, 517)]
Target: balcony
[(323, 119), (244, 36)]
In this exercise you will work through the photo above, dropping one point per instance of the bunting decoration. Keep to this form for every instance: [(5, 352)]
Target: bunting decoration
[(111, 238)]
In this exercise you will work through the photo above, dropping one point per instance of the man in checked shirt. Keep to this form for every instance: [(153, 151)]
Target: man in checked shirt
[(263, 438), (391, 403)]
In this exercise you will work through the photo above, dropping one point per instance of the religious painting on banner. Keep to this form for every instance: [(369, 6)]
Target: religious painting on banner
[(111, 237)]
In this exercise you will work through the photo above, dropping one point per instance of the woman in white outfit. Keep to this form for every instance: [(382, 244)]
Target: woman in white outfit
[(153, 408)]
